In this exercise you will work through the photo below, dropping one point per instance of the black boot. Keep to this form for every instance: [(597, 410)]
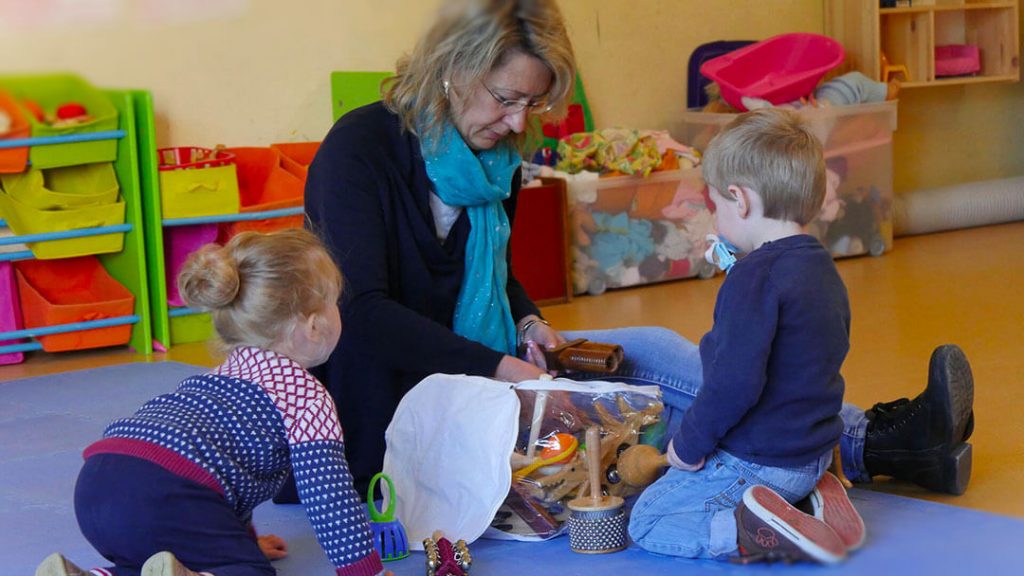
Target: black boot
[(923, 440)]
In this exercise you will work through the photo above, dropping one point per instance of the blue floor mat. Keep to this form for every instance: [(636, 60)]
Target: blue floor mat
[(45, 422)]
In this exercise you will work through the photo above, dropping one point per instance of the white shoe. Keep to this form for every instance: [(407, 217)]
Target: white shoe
[(165, 564), (57, 565)]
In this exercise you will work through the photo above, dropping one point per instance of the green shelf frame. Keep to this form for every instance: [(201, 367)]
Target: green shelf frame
[(167, 330), (129, 265)]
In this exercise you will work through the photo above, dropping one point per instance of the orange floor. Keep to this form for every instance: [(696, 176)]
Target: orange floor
[(963, 287)]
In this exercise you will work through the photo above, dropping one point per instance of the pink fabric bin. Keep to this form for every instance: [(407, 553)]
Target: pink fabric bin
[(179, 243), (10, 311), (957, 60)]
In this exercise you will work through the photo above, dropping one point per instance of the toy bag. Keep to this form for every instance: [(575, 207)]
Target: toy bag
[(473, 457)]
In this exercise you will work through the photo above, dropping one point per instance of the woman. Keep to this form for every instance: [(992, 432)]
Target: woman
[(415, 195)]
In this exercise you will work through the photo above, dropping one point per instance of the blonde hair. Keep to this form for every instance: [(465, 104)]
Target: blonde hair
[(258, 285), (772, 152), (469, 39)]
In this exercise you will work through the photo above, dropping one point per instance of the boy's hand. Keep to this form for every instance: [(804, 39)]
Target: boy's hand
[(273, 547), (675, 462)]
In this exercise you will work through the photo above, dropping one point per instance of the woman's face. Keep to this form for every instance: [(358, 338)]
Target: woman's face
[(487, 111)]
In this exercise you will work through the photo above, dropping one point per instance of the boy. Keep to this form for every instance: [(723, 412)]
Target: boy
[(761, 430)]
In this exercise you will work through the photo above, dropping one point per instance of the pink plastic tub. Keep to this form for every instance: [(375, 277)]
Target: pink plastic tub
[(179, 243), (780, 69), (957, 60)]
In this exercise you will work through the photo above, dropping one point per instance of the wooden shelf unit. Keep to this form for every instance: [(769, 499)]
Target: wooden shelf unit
[(908, 36)]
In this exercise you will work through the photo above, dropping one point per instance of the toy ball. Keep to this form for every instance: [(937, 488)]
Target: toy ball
[(556, 445), (70, 110)]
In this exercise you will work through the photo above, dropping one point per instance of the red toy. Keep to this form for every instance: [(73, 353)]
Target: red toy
[(71, 110), (444, 559)]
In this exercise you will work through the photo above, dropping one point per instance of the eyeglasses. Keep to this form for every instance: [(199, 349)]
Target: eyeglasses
[(517, 106)]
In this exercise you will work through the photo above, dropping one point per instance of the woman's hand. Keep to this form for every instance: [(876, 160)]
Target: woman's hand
[(512, 369), (273, 547), (537, 337)]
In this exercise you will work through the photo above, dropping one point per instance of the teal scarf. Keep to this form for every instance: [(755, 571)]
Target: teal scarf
[(478, 182)]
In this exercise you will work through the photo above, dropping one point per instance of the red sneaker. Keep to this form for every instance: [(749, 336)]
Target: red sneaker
[(831, 504), (769, 529)]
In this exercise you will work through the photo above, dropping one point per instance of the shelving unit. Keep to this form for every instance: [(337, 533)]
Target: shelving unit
[(128, 266), (909, 35), (174, 325)]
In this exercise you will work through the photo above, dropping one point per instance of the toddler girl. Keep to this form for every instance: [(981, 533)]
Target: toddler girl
[(171, 489)]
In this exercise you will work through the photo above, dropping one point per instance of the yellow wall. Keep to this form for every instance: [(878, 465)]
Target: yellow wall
[(250, 72)]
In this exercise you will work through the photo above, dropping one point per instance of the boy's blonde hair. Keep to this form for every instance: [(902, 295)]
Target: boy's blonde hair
[(771, 152), (468, 40), (258, 285)]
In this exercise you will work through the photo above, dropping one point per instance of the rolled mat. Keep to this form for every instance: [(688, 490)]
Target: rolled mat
[(959, 206)]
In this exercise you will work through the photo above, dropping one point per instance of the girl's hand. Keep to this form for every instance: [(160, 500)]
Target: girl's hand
[(273, 547)]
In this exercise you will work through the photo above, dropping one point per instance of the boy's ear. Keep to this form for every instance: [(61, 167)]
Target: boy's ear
[(742, 196)]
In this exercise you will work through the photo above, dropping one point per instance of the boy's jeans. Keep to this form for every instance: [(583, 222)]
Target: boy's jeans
[(690, 514)]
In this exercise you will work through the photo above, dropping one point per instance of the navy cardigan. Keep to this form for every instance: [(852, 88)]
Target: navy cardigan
[(367, 197)]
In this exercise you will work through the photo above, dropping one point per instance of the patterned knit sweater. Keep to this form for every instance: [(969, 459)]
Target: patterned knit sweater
[(240, 429)]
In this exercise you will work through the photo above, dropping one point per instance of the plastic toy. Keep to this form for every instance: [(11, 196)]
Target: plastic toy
[(780, 69), (388, 533), (720, 253), (560, 444), (70, 110), (889, 70), (566, 448), (446, 559)]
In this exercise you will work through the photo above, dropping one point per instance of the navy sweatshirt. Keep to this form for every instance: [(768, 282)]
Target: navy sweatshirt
[(367, 197), (772, 389)]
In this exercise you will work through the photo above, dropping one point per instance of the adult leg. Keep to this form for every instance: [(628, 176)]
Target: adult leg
[(923, 440), (653, 356), (130, 509)]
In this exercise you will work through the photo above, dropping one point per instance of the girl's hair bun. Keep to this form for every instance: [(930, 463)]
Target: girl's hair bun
[(209, 279)]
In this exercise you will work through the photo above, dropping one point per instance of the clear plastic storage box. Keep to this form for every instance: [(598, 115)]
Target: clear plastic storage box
[(631, 230), (857, 215)]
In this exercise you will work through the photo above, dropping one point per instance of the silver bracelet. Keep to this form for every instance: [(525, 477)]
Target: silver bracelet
[(526, 326)]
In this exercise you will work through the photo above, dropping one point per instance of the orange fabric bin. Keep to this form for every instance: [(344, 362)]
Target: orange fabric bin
[(54, 292), (13, 159), (263, 184), (297, 156)]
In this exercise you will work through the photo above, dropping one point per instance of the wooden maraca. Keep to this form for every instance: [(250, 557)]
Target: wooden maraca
[(641, 465)]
